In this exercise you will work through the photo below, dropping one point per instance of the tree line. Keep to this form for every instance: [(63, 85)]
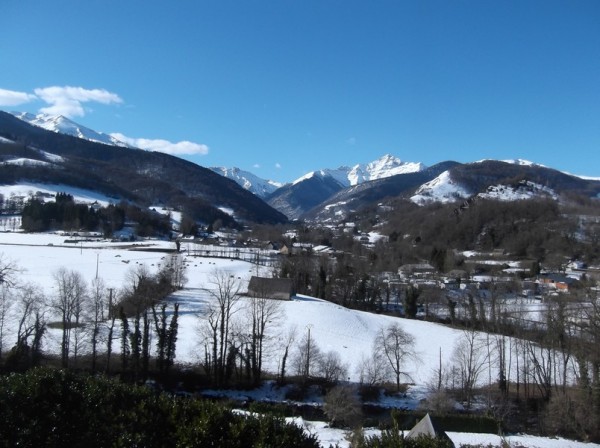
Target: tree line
[(64, 213)]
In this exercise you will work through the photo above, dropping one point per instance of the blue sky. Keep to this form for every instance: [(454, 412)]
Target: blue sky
[(284, 87)]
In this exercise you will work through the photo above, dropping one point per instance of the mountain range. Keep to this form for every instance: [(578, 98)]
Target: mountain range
[(325, 195), (63, 125), (50, 155)]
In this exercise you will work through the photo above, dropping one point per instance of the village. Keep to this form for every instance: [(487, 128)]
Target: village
[(328, 280), (493, 284)]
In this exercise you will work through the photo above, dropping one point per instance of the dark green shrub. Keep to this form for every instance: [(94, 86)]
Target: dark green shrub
[(60, 408)]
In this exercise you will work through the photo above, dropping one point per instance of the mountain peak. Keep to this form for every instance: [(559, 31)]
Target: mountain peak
[(248, 181), (64, 125), (386, 166)]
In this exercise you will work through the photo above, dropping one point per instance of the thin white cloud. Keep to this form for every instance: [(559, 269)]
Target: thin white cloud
[(278, 165), (256, 165), (68, 101), (351, 141), (12, 98), (179, 148)]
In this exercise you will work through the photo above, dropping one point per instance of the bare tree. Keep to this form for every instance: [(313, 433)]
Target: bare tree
[(30, 312), (438, 398), (97, 307), (217, 334), (263, 313), (68, 304), (8, 272), (176, 268), (470, 357), (288, 340), (112, 317), (308, 356), (373, 370), (397, 346), (6, 303), (140, 290), (542, 362), (331, 367), (342, 406)]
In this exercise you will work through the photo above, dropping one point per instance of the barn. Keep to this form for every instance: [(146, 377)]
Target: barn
[(271, 288)]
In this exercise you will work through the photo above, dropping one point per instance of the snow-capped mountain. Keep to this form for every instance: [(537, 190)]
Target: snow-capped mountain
[(63, 125), (445, 189), (249, 181), (381, 168), (308, 191), (339, 175), (441, 189)]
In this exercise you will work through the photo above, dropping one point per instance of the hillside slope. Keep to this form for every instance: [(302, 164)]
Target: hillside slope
[(128, 173)]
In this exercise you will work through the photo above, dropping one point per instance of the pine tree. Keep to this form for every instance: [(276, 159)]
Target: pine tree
[(125, 351), (171, 339)]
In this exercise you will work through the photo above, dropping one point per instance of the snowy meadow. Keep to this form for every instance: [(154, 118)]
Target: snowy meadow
[(349, 333)]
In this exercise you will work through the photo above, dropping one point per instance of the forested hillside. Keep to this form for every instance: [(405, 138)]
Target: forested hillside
[(148, 177)]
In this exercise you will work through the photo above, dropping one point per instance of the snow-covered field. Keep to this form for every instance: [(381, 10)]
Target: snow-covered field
[(348, 332)]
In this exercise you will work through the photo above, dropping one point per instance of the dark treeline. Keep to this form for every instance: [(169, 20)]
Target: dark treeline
[(65, 214), (93, 411)]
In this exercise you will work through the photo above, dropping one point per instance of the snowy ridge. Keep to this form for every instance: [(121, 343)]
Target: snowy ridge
[(47, 192), (441, 189), (24, 162), (335, 174), (249, 181), (521, 162), (381, 168), (524, 190), (51, 157), (62, 125)]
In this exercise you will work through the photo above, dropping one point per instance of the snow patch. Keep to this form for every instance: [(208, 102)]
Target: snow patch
[(249, 181), (48, 191), (523, 190), (441, 189), (25, 162)]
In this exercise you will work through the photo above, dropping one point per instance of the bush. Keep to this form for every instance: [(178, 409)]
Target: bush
[(342, 407), (453, 422), (60, 408)]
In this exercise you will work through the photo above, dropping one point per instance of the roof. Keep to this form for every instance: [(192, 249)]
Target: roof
[(417, 267), (557, 277), (423, 428), (427, 428), (276, 288)]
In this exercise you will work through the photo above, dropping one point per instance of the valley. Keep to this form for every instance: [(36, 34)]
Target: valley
[(489, 269)]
